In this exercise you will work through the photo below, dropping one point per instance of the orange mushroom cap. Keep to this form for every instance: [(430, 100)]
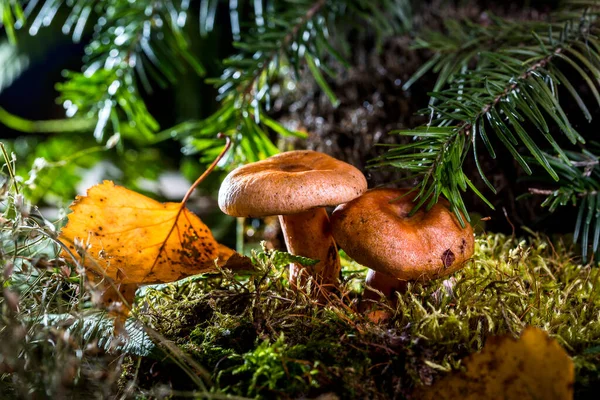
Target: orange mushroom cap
[(377, 231), (289, 183)]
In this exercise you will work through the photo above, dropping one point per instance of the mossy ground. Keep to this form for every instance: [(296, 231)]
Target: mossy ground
[(255, 337)]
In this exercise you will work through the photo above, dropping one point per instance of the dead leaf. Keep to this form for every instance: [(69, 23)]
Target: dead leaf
[(126, 240), (133, 239), (533, 367)]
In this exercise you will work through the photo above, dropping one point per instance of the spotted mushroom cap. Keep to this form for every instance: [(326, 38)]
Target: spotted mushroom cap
[(376, 231), (289, 183)]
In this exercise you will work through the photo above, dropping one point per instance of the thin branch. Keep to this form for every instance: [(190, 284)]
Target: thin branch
[(542, 192), (48, 126), (466, 126), (548, 192), (316, 7)]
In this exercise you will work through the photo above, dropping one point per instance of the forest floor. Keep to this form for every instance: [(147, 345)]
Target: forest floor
[(249, 335)]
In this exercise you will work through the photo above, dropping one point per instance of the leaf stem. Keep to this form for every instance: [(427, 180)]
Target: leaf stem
[(191, 190), (210, 168)]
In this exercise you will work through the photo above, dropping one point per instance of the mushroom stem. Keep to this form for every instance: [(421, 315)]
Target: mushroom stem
[(308, 234), (385, 284)]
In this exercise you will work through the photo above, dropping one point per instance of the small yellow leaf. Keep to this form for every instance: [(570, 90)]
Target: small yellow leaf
[(533, 367), (132, 239)]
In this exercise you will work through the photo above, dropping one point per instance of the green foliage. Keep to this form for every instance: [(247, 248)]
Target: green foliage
[(12, 63), (131, 41), (146, 42), (11, 15), (51, 170), (269, 368), (138, 46), (578, 184), (50, 173), (286, 35), (281, 258)]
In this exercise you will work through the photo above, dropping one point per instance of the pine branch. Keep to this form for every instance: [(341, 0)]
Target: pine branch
[(289, 36), (510, 86), (245, 85), (458, 46), (143, 42), (579, 185), (13, 64), (132, 41), (285, 42)]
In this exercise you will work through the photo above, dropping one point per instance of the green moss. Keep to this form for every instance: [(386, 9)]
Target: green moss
[(271, 368), (258, 338)]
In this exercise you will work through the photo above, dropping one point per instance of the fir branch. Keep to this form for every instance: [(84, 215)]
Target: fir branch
[(13, 64), (143, 41), (132, 41), (458, 46), (579, 185), (284, 43), (289, 36), (245, 85), (510, 86)]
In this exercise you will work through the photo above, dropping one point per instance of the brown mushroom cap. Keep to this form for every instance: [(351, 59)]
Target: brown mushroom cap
[(289, 183), (376, 231)]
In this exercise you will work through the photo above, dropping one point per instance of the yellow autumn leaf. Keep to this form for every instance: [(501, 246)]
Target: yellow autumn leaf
[(133, 239), (533, 367)]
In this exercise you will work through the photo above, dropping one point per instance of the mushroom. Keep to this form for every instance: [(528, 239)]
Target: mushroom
[(296, 186), (378, 231)]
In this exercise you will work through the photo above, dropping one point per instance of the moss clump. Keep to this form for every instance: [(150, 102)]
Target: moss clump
[(271, 367), (257, 338)]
